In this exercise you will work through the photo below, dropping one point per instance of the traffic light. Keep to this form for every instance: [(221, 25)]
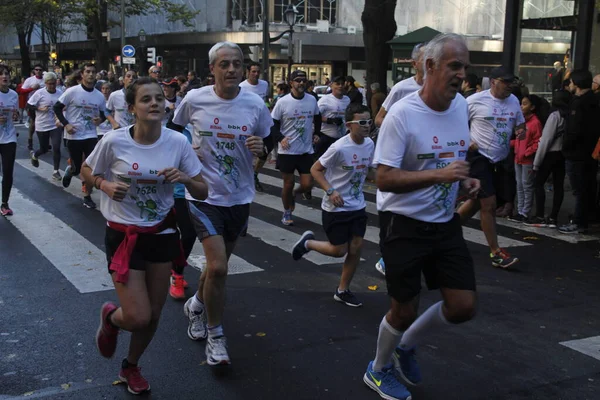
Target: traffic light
[(151, 55), (159, 61), (286, 45), (53, 54), (118, 60)]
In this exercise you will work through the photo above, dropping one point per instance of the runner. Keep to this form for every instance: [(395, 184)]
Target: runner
[(332, 107), (417, 188), (105, 126), (135, 167), (341, 172), (494, 115), (35, 82), (42, 103), (229, 126), (293, 117), (117, 109), (170, 88), (9, 109), (85, 108)]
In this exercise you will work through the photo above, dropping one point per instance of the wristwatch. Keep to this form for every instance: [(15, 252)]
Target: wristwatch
[(330, 191)]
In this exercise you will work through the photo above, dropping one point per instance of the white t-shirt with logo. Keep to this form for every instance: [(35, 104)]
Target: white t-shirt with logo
[(261, 88), (399, 91), (9, 104), (413, 137), (81, 107), (221, 128), (347, 164), (121, 159), (117, 106), (493, 122), (44, 120), (297, 118), (31, 82), (332, 107)]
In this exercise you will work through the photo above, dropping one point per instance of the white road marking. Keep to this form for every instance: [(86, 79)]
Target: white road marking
[(237, 265), (588, 346)]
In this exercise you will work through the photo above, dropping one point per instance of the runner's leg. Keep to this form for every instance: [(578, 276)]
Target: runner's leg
[(8, 152), (55, 138)]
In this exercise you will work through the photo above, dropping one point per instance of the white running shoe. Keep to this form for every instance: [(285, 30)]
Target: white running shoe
[(380, 266), (216, 351), (198, 329)]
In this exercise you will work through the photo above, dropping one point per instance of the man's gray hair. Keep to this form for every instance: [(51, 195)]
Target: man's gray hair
[(375, 86), (416, 50), (212, 53), (435, 48)]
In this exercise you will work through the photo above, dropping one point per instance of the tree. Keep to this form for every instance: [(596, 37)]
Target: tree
[(21, 16), (379, 26)]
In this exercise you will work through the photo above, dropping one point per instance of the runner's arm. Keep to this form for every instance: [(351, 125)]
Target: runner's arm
[(317, 120), (197, 187), (276, 131), (173, 125), (380, 116), (58, 111), (318, 173), (396, 180)]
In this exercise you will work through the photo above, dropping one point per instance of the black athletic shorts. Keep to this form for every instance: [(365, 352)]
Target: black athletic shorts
[(340, 227), (210, 220), (483, 169), (288, 163), (148, 248), (77, 150), (411, 247)]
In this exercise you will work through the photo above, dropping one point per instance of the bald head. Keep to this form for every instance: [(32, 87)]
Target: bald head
[(596, 84)]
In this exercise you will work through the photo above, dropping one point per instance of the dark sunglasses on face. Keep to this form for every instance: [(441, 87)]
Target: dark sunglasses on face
[(362, 122), (155, 72), (300, 80), (37, 69)]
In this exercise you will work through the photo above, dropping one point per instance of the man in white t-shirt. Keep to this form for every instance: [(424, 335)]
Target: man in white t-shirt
[(296, 119), (494, 115), (405, 86), (419, 169), (253, 83), (332, 107), (117, 108), (35, 82), (85, 110), (229, 124), (341, 172)]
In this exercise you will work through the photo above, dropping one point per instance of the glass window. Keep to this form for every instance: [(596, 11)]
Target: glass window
[(309, 11)]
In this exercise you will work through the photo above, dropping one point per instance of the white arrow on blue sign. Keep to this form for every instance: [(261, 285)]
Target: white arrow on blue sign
[(128, 51)]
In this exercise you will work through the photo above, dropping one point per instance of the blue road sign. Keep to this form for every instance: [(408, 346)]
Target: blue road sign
[(128, 51)]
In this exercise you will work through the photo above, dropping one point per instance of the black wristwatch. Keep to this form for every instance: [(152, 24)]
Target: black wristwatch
[(330, 191)]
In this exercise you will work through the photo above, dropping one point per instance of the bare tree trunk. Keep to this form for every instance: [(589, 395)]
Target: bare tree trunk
[(99, 24), (379, 26), (24, 50)]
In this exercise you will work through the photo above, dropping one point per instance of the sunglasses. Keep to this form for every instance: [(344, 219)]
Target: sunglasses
[(300, 80), (37, 69), (362, 122), (155, 72)]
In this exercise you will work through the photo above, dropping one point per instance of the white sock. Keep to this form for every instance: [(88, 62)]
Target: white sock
[(387, 341), (215, 331), (432, 319), (197, 303), (56, 171), (306, 245)]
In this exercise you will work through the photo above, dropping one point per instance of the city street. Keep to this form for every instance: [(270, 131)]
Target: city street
[(536, 335)]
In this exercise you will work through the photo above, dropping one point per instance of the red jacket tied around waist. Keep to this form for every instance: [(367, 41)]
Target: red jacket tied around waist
[(120, 260), (526, 147)]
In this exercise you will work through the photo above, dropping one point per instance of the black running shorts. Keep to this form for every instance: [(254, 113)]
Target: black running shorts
[(288, 163), (340, 227), (210, 220), (148, 248), (483, 169), (437, 250)]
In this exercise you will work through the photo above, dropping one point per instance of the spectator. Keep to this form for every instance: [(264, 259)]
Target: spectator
[(469, 85), (154, 72), (377, 98), (23, 96), (352, 91), (113, 80), (579, 141), (556, 77), (362, 91), (310, 89), (550, 160), (209, 80), (193, 81), (525, 145)]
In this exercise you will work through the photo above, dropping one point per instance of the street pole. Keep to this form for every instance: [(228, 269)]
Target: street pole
[(266, 41), (290, 53), (122, 30)]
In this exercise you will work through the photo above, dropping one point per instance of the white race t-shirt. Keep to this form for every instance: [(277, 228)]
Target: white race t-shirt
[(332, 107), (493, 122), (297, 118), (32, 81), (149, 198), (221, 128), (44, 120), (81, 107), (347, 164), (413, 137), (9, 104), (117, 106), (168, 104), (399, 91), (103, 128), (261, 88)]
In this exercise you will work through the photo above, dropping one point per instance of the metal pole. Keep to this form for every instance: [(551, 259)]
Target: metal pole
[(290, 53), (122, 28), (266, 37)]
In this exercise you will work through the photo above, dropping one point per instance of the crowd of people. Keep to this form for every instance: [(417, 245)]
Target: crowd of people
[(178, 159)]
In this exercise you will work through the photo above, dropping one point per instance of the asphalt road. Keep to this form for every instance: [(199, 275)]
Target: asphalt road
[(287, 337)]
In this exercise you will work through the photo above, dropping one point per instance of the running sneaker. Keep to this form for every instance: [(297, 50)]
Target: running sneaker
[(286, 219), (34, 161), (551, 222), (571, 229), (216, 351), (406, 365), (257, 184), (177, 290), (131, 375), (502, 259), (386, 383), (346, 297), (5, 210), (89, 203), (185, 284), (299, 248), (197, 329), (307, 196), (380, 266), (106, 336), (517, 218), (56, 176), (66, 179), (537, 222)]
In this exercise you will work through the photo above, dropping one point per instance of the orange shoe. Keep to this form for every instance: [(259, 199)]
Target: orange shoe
[(177, 288)]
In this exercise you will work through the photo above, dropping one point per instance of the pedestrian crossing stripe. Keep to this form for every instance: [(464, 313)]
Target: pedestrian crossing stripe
[(589, 346)]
